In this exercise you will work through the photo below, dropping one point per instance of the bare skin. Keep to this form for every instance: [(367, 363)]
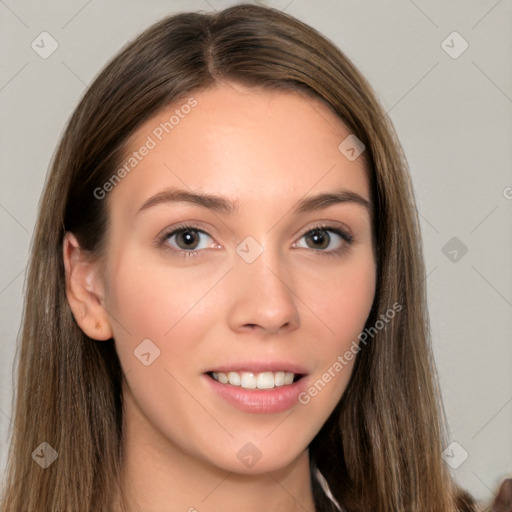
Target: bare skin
[(303, 300)]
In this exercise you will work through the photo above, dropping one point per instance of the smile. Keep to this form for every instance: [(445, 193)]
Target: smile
[(261, 380)]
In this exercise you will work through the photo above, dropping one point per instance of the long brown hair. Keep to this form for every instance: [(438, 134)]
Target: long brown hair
[(381, 448)]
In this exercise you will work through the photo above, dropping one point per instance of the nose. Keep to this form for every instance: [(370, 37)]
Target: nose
[(263, 297)]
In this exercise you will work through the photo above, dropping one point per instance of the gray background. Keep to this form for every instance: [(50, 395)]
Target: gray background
[(452, 115)]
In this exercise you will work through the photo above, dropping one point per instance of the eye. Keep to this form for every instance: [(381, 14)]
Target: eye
[(321, 238), (186, 240)]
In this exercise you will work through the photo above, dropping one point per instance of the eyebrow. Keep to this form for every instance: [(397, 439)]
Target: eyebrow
[(223, 205)]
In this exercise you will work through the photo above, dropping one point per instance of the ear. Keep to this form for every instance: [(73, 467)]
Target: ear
[(84, 290)]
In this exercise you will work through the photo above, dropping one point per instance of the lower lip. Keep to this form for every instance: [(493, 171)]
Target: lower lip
[(267, 401)]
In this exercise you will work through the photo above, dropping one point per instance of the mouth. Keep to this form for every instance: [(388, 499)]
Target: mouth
[(258, 387), (256, 380)]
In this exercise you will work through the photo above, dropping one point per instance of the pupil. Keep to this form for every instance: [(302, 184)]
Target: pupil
[(318, 236), (188, 235)]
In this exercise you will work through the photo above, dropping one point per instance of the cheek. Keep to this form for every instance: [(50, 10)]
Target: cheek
[(342, 305), (163, 304), (341, 299), (175, 307)]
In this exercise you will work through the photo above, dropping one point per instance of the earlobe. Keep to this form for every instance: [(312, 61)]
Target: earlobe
[(84, 290)]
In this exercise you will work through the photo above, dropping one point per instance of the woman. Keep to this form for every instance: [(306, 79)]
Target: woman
[(282, 365)]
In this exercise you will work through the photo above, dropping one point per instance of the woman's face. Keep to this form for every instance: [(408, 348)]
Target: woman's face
[(257, 292)]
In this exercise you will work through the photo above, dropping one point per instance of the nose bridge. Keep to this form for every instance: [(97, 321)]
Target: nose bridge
[(261, 265), (263, 287)]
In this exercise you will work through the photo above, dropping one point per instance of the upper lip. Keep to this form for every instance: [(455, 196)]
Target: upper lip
[(259, 366)]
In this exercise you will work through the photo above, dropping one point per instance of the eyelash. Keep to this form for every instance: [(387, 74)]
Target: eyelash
[(162, 239)]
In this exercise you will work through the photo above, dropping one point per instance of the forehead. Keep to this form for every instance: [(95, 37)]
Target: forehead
[(254, 145)]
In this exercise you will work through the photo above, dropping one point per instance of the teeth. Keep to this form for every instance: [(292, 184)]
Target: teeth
[(288, 378), (279, 378), (249, 380), (222, 378), (234, 378), (265, 380)]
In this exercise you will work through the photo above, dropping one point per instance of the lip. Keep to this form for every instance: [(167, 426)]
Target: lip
[(262, 401), (260, 366)]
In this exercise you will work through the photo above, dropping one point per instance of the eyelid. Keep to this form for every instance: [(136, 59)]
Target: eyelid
[(182, 226), (327, 224), (338, 229)]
